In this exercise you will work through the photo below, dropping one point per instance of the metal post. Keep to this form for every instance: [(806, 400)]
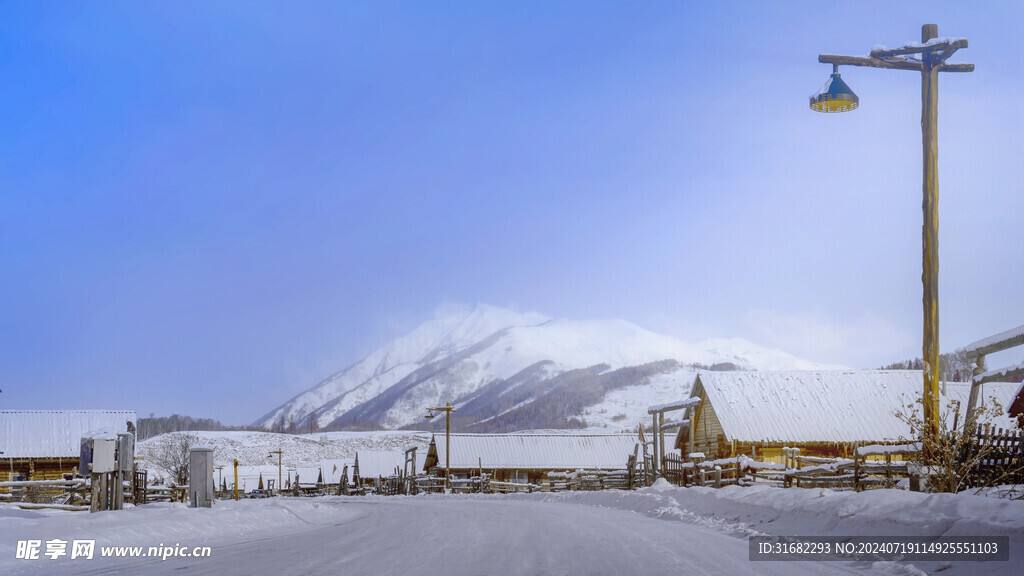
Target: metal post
[(930, 233)]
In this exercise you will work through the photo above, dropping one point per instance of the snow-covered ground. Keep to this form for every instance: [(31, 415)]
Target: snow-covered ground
[(657, 530)]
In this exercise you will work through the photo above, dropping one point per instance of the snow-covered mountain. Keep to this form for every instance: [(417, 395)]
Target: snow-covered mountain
[(506, 370)]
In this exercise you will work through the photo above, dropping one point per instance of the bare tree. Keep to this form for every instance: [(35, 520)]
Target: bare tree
[(171, 454)]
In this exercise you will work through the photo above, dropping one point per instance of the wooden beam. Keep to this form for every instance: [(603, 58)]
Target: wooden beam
[(879, 63), (673, 406), (27, 483), (997, 343), (937, 47), (1000, 375), (956, 68), (869, 62), (34, 506)]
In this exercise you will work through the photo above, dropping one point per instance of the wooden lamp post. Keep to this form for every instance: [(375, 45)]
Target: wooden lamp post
[(279, 453), (447, 409), (929, 58)]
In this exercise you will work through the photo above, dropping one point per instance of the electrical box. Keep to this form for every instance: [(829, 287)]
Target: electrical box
[(104, 455), (126, 452), (84, 456), (200, 484)]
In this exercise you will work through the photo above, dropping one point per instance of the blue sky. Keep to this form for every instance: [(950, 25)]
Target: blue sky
[(207, 207)]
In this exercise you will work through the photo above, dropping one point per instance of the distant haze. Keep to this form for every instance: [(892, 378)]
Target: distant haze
[(209, 207), (507, 372)]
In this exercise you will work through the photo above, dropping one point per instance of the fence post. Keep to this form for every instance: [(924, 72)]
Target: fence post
[(856, 468)]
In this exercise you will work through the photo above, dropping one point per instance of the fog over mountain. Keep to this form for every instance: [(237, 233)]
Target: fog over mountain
[(506, 371)]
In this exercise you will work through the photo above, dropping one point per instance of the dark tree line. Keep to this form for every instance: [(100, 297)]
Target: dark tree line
[(156, 425), (953, 366)]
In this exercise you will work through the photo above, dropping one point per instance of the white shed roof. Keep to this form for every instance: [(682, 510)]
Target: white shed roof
[(333, 468), (537, 451), (54, 433), (809, 406), (248, 476), (374, 463)]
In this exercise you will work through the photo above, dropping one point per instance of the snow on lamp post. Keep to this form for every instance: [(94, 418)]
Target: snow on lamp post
[(431, 413), (929, 58)]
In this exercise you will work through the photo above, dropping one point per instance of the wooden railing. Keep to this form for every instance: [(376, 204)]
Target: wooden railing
[(977, 352)]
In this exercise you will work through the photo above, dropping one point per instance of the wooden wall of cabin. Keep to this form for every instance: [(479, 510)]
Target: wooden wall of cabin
[(37, 468), (535, 476), (772, 452), (767, 452), (708, 436)]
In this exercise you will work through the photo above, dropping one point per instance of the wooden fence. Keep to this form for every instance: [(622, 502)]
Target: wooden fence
[(1003, 457)]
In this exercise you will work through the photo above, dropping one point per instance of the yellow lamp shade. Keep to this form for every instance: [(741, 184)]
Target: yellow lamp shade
[(834, 96)]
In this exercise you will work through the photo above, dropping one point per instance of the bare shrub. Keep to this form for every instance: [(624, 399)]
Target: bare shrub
[(170, 453), (955, 457)]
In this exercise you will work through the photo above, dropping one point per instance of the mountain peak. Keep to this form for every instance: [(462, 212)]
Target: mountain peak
[(487, 355)]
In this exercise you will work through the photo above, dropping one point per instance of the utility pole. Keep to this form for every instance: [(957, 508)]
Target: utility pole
[(279, 454), (929, 58), (447, 409)]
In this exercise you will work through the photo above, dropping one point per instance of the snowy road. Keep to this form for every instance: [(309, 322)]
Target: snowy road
[(402, 535)]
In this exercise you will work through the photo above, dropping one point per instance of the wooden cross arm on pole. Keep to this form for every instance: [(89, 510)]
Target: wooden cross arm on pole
[(947, 47), (892, 65)]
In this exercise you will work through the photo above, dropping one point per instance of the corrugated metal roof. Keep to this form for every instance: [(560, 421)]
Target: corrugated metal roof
[(54, 433), (537, 451), (248, 476), (1003, 392), (307, 475), (374, 463), (809, 406)]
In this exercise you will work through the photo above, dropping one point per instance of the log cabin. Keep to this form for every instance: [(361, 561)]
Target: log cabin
[(1016, 408), (824, 413), (45, 444)]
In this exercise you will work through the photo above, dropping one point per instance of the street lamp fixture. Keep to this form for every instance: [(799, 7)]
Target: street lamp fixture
[(929, 58), (431, 413), (835, 95)]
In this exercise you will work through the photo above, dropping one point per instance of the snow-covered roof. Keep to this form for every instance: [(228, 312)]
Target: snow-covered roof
[(1003, 392), (248, 476), (374, 463), (332, 469), (537, 451), (307, 475), (833, 406), (54, 433)]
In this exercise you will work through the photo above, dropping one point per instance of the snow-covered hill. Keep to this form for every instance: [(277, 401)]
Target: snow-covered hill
[(255, 448), (483, 357)]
